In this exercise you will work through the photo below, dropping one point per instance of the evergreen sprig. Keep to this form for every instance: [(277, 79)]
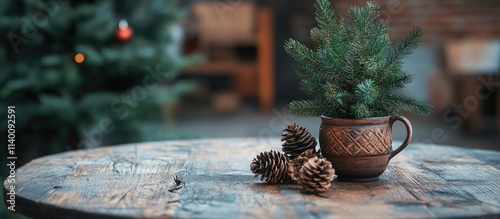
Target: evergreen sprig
[(354, 70)]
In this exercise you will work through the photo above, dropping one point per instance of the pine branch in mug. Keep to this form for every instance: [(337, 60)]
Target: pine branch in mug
[(354, 71)]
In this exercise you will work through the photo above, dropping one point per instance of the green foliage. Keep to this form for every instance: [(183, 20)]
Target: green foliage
[(58, 102), (354, 70)]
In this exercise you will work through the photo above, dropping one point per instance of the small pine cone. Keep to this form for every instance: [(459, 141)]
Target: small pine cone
[(272, 166), (297, 140), (316, 175), (296, 164)]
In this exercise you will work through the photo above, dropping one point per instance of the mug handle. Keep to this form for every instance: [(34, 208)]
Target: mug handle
[(409, 133)]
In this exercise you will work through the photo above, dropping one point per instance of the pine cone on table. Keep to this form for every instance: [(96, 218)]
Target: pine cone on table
[(295, 165), (296, 140), (316, 175), (272, 166)]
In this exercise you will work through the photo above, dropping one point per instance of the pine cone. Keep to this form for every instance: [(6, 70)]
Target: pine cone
[(296, 164), (272, 166), (316, 175), (297, 140)]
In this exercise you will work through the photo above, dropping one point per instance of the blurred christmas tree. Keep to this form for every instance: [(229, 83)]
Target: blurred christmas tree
[(126, 74)]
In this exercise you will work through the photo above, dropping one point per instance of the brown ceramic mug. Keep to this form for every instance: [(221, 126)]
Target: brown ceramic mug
[(360, 149)]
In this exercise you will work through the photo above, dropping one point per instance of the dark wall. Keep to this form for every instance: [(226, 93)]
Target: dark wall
[(293, 19)]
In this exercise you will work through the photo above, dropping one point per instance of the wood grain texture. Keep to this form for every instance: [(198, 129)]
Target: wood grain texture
[(214, 181)]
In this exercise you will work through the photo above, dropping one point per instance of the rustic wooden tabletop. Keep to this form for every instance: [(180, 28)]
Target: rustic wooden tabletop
[(212, 179)]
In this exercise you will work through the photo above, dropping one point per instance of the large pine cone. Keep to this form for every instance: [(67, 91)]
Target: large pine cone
[(297, 140), (272, 166), (296, 164), (316, 175)]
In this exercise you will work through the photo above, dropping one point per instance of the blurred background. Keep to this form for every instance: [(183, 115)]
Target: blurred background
[(163, 70)]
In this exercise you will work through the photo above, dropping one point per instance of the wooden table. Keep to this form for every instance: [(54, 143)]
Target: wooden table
[(213, 180)]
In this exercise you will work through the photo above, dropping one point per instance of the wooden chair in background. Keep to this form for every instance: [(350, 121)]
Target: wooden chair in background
[(220, 31), (465, 62)]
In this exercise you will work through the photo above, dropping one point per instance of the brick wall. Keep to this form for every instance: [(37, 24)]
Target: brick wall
[(440, 19)]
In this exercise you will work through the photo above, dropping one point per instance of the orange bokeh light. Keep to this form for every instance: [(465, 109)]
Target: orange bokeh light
[(79, 58)]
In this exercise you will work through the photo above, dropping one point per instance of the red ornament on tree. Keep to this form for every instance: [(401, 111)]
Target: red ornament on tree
[(124, 32)]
